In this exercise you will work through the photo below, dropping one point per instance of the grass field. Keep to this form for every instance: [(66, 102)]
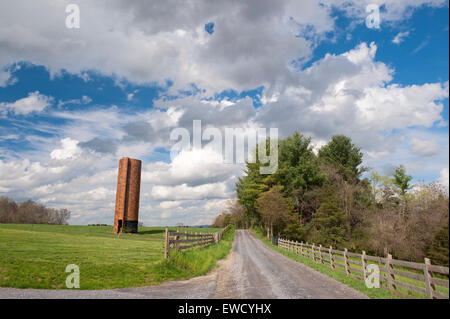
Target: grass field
[(36, 256)]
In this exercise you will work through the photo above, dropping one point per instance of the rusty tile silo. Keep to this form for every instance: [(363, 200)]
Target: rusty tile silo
[(127, 196)]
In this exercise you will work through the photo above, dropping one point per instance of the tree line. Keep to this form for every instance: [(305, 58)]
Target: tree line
[(322, 197), (30, 212)]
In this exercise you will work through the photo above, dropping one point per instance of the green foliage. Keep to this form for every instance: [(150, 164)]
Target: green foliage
[(401, 179), (329, 225), (272, 207), (248, 189), (438, 251), (294, 231), (344, 155)]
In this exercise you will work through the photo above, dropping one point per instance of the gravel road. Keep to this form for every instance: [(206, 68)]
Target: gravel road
[(250, 271)]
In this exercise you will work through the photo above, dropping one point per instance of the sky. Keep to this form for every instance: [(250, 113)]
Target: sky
[(73, 101)]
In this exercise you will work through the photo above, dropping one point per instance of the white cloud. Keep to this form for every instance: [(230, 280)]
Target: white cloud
[(69, 149), (399, 38), (425, 147), (168, 41), (6, 78), (34, 102), (443, 178), (185, 192), (353, 94)]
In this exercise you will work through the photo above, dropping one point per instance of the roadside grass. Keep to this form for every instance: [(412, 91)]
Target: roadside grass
[(373, 293), (36, 256), (197, 261)]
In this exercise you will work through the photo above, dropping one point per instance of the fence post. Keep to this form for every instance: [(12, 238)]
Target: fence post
[(346, 263), (176, 238), (428, 275), (364, 264), (320, 254), (331, 258), (382, 273), (301, 248), (166, 244), (314, 252), (390, 275)]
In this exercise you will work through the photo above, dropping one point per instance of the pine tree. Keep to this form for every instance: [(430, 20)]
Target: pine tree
[(438, 251), (329, 225)]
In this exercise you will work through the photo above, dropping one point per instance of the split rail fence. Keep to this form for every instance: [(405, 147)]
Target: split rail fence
[(181, 241), (399, 276)]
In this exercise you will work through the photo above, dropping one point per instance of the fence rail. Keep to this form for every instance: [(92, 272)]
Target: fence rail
[(398, 276), (185, 240)]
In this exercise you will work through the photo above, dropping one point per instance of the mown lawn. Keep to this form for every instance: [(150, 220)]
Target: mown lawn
[(36, 256)]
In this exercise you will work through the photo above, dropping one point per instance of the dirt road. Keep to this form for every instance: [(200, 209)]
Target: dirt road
[(250, 271)]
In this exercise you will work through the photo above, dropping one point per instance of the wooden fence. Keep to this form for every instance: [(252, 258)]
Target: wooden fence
[(181, 241), (399, 276)]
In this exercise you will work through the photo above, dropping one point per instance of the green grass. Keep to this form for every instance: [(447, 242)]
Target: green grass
[(196, 262), (359, 285), (36, 256)]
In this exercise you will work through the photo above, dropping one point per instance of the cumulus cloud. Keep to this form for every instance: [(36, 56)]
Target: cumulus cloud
[(353, 94), (34, 102), (425, 147), (443, 178), (68, 150), (168, 41)]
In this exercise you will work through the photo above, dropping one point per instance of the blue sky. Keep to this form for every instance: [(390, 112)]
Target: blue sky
[(74, 101)]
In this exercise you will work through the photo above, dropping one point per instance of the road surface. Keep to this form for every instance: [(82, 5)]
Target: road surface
[(252, 270)]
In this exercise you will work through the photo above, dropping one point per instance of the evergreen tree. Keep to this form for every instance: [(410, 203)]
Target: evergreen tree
[(344, 155), (329, 225), (438, 251), (401, 180)]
